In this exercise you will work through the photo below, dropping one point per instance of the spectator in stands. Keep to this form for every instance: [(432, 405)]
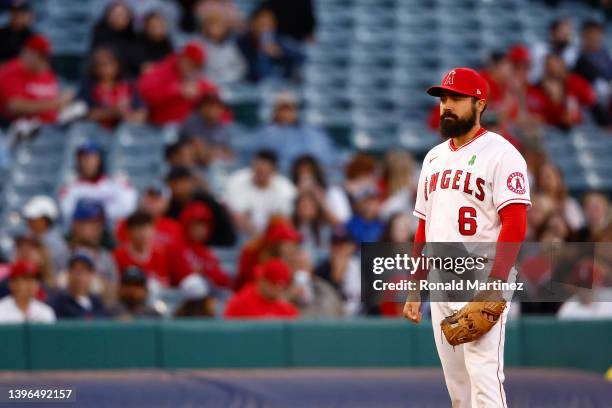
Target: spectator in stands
[(195, 10), (110, 98), (595, 65), (19, 28), (29, 248), (154, 201), (591, 300), (172, 87), (341, 269), (41, 213), (144, 252), (296, 19), (291, 138), (132, 297), (115, 30), (308, 174), (309, 178), (197, 300), (197, 222), (78, 301), (542, 206), (555, 228), (313, 296), (154, 43), (596, 208), (397, 184), (263, 299), (21, 305), (184, 191), (399, 228), (549, 182), (30, 89), (226, 63), (365, 224), (268, 53), (88, 235), (561, 95), (560, 43), (501, 102), (594, 62), (181, 154), (255, 193), (309, 219), (280, 239), (360, 172), (116, 195), (208, 132), (520, 60)]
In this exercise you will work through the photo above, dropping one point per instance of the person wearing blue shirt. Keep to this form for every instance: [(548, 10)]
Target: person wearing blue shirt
[(77, 301), (291, 138), (365, 224)]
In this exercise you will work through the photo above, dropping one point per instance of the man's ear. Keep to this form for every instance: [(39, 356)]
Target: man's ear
[(481, 105)]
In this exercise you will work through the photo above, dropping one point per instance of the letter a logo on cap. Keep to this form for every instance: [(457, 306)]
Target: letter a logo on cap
[(450, 78)]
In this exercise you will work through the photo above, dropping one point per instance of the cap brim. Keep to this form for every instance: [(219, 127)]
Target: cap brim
[(438, 90)]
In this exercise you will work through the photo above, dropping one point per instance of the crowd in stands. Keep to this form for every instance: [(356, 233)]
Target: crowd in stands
[(102, 249)]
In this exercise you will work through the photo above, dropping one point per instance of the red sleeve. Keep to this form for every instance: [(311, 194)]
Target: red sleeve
[(216, 273), (121, 233), (155, 88), (179, 267), (246, 264), (513, 219), (419, 244), (582, 89)]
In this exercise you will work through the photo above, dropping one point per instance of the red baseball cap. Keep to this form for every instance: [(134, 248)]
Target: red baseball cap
[(38, 43), (275, 271), (194, 52), (196, 211), (519, 54), (463, 81), (23, 268), (282, 232)]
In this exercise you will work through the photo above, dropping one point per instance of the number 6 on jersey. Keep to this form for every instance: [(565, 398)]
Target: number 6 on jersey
[(467, 221)]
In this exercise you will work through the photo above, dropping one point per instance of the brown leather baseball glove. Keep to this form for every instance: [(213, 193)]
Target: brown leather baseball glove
[(472, 321)]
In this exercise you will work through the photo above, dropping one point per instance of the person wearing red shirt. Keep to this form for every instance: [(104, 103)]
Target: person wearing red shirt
[(29, 88), (561, 95), (196, 220), (110, 97), (263, 298), (154, 200), (173, 87), (143, 252), (279, 239)]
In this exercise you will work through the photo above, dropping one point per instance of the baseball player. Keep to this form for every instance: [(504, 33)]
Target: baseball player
[(473, 187)]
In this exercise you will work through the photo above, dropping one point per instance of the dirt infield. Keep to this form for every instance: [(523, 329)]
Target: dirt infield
[(381, 388)]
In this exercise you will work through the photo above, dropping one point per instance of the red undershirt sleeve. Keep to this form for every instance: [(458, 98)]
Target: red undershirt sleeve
[(513, 219)]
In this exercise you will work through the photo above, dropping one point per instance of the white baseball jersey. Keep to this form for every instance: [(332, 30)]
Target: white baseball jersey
[(462, 189)]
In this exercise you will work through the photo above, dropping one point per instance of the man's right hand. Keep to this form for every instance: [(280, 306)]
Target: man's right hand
[(412, 311)]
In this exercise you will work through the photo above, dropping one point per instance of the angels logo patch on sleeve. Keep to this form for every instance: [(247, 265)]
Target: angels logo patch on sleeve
[(516, 182)]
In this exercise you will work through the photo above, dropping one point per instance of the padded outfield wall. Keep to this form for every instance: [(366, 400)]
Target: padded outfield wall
[(530, 342)]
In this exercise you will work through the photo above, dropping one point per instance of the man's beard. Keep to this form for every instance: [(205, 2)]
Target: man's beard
[(452, 126)]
